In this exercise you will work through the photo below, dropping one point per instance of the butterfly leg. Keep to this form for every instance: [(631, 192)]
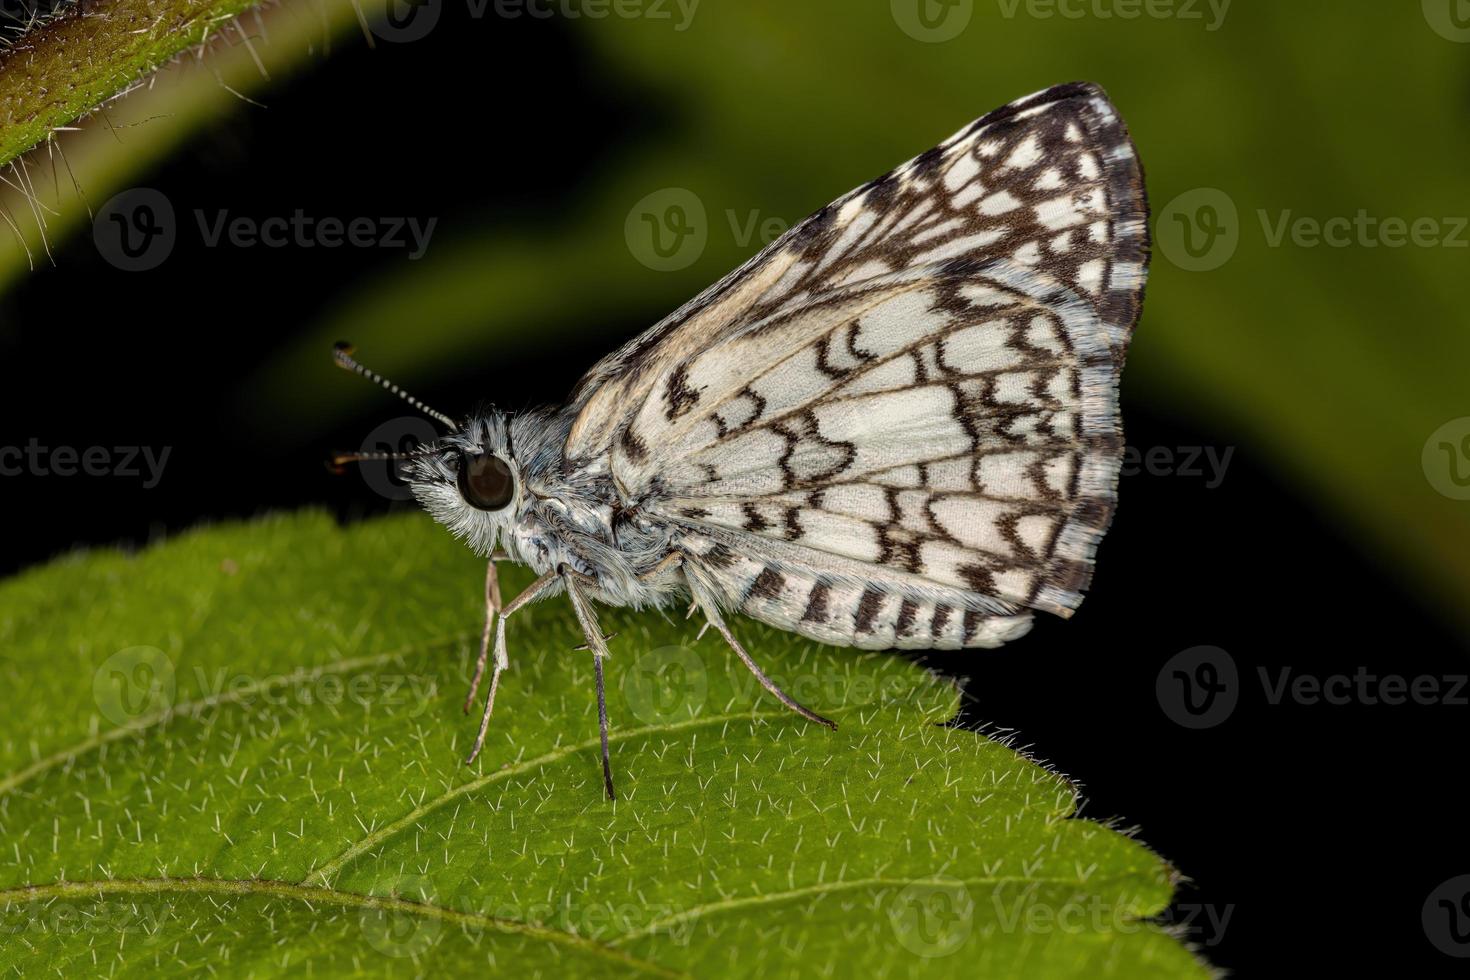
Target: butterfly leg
[(492, 609), (673, 559), (533, 591), (705, 601), (587, 617)]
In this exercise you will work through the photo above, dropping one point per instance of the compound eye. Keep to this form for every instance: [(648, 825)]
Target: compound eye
[(485, 482)]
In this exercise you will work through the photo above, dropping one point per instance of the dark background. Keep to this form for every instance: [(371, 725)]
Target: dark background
[(1320, 829)]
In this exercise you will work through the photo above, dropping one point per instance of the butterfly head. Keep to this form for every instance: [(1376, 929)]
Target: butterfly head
[(468, 480)]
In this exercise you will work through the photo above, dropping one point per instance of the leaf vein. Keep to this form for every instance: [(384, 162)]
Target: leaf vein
[(308, 894), (324, 873), (825, 888), (234, 694)]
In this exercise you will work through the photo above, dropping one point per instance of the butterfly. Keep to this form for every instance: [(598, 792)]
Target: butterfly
[(895, 427)]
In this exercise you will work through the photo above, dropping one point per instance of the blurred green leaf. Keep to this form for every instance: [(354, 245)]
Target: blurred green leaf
[(242, 751)]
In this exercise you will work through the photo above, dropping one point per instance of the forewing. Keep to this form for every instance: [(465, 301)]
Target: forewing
[(1050, 181)]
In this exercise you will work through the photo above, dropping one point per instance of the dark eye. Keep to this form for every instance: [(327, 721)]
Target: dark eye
[(485, 482)]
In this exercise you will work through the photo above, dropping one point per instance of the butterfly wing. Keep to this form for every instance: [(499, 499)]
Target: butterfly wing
[(1051, 179), (913, 391)]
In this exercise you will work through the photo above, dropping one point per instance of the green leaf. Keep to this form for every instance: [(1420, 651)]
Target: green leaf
[(52, 192), (241, 752)]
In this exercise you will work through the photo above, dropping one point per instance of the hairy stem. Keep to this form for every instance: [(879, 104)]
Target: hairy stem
[(88, 53)]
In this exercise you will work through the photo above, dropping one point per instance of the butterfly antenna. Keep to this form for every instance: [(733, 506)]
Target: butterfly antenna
[(337, 461), (342, 354)]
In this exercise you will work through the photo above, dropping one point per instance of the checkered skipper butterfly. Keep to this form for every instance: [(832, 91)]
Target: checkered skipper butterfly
[(895, 427)]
